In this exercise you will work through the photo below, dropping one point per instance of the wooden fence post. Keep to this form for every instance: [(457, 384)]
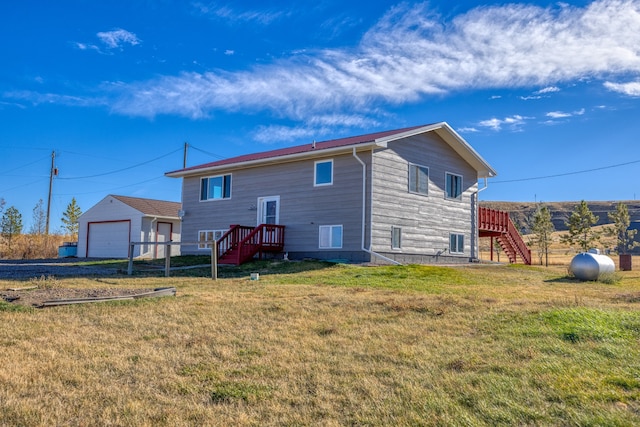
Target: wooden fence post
[(214, 260), (130, 267), (167, 259)]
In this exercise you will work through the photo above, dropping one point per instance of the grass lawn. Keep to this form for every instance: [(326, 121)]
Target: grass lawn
[(322, 344)]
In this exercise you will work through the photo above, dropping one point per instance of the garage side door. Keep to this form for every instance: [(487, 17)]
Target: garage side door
[(108, 239), (163, 235)]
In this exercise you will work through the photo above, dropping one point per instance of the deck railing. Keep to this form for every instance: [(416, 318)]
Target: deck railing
[(240, 243), (496, 223)]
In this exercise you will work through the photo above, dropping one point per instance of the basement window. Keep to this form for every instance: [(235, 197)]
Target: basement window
[(396, 238), (206, 237), (330, 237), (456, 243)]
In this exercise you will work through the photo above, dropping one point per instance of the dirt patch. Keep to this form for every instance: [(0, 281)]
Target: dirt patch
[(36, 297), (28, 269)]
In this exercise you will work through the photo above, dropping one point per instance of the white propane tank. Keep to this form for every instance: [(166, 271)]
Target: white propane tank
[(590, 265)]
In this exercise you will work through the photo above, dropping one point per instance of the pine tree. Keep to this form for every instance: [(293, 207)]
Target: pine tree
[(70, 218), (580, 231), (11, 224), (543, 227), (620, 229)]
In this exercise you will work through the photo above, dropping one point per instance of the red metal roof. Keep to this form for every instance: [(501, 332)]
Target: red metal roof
[(299, 149)]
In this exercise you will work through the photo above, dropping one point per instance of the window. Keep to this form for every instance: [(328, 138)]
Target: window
[(330, 237), (215, 187), (323, 173), (418, 179), (453, 186), (456, 243), (396, 237), (209, 236)]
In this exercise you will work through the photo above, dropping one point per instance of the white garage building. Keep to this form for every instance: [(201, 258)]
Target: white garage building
[(106, 229)]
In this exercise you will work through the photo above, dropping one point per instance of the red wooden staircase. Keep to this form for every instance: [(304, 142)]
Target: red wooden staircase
[(494, 223), (241, 243)]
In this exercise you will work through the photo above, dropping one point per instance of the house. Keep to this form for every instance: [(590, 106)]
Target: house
[(106, 229), (408, 195)]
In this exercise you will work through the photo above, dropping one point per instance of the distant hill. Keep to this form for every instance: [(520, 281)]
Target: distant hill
[(522, 212)]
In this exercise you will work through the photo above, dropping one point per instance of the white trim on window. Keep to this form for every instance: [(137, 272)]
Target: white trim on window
[(418, 181), (324, 181), (453, 186), (330, 236), (396, 237), (222, 189), (456, 243)]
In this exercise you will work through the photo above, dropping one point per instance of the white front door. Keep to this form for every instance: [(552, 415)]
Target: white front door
[(269, 210)]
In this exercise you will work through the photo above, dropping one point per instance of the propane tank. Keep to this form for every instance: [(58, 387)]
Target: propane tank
[(590, 265)]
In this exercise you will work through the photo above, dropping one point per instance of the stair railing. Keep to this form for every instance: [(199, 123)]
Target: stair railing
[(519, 243)]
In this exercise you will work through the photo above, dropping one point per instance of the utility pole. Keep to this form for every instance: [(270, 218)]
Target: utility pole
[(184, 160), (54, 172)]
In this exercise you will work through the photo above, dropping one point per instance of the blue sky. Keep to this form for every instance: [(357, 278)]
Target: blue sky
[(547, 92)]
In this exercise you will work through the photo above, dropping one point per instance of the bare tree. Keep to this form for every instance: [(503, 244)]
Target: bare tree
[(39, 224)]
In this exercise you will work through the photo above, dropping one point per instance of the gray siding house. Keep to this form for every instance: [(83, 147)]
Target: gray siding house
[(408, 195)]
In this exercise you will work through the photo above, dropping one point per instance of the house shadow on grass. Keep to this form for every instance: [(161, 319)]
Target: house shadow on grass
[(200, 266), (267, 267)]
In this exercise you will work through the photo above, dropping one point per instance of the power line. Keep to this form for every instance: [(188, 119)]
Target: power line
[(217, 156), (123, 169), (567, 173), (111, 189), (23, 166), (24, 185)]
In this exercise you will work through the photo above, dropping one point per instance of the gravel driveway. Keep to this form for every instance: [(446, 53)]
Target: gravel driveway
[(27, 269)]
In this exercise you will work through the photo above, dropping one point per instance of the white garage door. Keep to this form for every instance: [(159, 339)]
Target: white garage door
[(108, 239)]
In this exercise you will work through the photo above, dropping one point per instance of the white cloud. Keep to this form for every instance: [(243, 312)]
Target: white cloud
[(85, 46), (549, 89), (229, 52), (630, 89), (233, 15), (529, 98), (468, 130), (317, 127), (557, 114), (542, 93), (409, 55), (345, 120), (276, 133), (514, 123), (36, 98), (118, 37), (563, 115)]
